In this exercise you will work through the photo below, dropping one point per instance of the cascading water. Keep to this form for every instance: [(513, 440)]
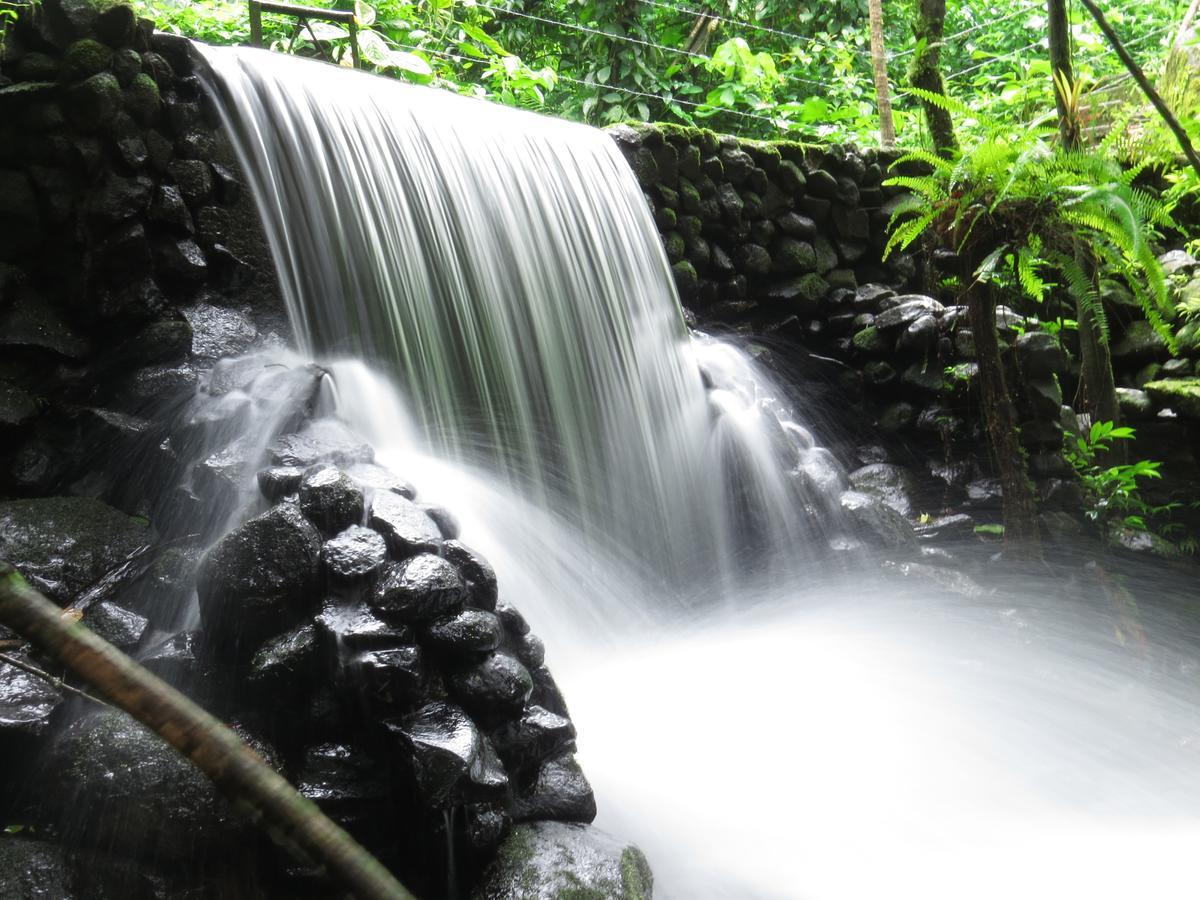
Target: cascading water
[(502, 267), (492, 299)]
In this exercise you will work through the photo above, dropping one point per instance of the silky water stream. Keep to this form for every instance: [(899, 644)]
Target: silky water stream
[(492, 300)]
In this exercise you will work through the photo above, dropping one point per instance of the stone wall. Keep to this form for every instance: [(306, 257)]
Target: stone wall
[(784, 242)]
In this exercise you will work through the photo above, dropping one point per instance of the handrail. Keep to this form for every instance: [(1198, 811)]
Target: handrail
[(303, 14)]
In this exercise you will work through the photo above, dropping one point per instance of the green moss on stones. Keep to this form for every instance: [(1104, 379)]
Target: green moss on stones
[(86, 58), (1180, 394), (870, 340), (142, 99)]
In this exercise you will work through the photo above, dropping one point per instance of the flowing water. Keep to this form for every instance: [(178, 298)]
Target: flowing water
[(490, 295)]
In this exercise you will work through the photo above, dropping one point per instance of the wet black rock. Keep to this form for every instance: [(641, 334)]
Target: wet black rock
[(470, 631), (330, 499), (346, 782), (406, 527), (34, 870), (64, 545), (1039, 354), (445, 520), (181, 259), (450, 758), (27, 707), (512, 620), (17, 407), (286, 665), (906, 310), (494, 689), (31, 322), (121, 627), (324, 440), (376, 478), (91, 103), (560, 791), (537, 734), (194, 179), (419, 589), (877, 522), (356, 554), (353, 627), (556, 859), (892, 484), (119, 786), (482, 587), (258, 579), (173, 659), (277, 482), (386, 678), (218, 331)]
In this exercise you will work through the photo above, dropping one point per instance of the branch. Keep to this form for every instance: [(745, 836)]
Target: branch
[(1147, 88), (214, 749), (57, 683)]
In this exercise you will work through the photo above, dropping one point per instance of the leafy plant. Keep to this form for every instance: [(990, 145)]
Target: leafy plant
[(1113, 491)]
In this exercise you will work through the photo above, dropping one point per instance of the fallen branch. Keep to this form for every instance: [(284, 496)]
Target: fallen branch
[(1139, 76), (213, 748), (57, 683)]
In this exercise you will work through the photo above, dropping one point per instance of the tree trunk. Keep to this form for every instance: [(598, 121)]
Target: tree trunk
[(1060, 63), (1021, 534), (883, 93), (214, 749), (925, 71)]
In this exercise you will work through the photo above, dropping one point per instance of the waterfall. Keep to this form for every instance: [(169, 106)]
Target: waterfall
[(502, 270), (489, 293)]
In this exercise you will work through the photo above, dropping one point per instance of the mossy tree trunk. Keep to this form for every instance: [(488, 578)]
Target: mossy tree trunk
[(883, 92), (1097, 386), (925, 71), (1021, 533)]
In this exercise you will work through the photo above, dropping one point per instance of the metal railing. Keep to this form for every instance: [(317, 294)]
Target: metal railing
[(303, 16)]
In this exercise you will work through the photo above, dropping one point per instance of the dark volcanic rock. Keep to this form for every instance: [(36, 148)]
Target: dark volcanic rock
[(376, 478), (894, 485), (330, 499), (878, 522), (420, 589), (33, 870), (555, 859), (559, 792), (471, 630), (405, 526), (325, 440), (64, 545), (27, 705), (258, 579), (357, 554), (494, 689), (387, 677), (286, 665), (482, 587), (277, 482), (121, 627), (123, 788), (450, 758), (354, 627)]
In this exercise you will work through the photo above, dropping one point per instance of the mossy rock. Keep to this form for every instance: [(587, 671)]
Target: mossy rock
[(1180, 394), (142, 99), (86, 58), (871, 341), (561, 861)]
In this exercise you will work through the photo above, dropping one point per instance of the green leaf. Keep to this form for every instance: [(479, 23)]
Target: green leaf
[(364, 13)]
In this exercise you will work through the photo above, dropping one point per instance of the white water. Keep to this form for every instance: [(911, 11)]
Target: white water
[(496, 310)]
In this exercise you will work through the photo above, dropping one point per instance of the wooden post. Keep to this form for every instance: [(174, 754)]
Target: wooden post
[(1060, 64), (883, 96), (256, 39), (214, 749), (354, 43)]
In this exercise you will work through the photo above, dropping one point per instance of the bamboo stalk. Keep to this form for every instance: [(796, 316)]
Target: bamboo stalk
[(213, 748)]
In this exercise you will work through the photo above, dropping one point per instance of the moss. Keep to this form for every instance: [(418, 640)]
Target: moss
[(1180, 394), (86, 58), (790, 178), (870, 340), (675, 245), (690, 227), (689, 196), (142, 98)]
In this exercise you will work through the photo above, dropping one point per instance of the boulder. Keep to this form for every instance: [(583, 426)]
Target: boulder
[(64, 545), (357, 554), (353, 627), (1039, 354), (1179, 394), (119, 786), (892, 484), (258, 580), (560, 792), (285, 666), (219, 331), (32, 322), (91, 103), (877, 522), (907, 309), (27, 708), (1140, 343), (322, 440), (482, 587), (122, 628), (494, 689), (34, 870), (557, 859), (371, 477), (407, 528), (419, 589), (469, 631), (1134, 404), (450, 758), (346, 782), (330, 499), (276, 482)]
